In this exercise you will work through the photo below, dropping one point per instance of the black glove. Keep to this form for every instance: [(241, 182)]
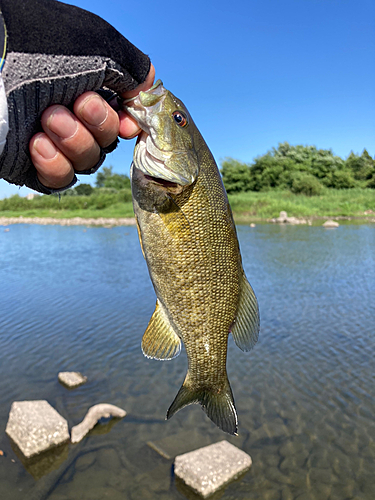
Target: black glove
[(55, 52)]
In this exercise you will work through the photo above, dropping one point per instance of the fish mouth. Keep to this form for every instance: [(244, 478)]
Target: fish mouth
[(156, 89), (151, 161), (149, 158), (172, 187)]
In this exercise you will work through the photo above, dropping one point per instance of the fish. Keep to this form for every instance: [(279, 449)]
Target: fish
[(189, 241)]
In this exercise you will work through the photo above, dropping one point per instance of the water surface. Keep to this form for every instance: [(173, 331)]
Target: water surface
[(80, 299)]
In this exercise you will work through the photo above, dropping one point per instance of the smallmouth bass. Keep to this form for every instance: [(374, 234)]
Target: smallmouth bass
[(189, 241)]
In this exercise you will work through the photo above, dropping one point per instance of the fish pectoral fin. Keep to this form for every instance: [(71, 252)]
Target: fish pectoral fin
[(217, 404), (176, 221), (160, 341), (245, 330)]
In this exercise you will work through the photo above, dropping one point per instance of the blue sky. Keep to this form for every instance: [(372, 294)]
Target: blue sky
[(254, 73)]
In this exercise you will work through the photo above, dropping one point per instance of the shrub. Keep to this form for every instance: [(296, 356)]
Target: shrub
[(340, 179), (125, 195), (306, 184), (83, 189), (102, 200)]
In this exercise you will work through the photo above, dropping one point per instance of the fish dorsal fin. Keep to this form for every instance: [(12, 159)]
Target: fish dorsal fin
[(245, 330), (160, 340)]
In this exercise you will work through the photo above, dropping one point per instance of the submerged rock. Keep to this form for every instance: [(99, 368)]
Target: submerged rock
[(92, 417), (208, 469), (72, 379), (36, 427), (331, 224), (44, 463)]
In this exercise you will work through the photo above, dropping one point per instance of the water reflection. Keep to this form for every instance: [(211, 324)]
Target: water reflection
[(44, 463), (80, 301)]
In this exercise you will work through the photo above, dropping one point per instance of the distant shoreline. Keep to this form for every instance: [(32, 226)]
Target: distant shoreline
[(73, 221), (240, 219)]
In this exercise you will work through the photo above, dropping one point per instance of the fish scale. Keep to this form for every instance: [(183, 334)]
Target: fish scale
[(190, 244)]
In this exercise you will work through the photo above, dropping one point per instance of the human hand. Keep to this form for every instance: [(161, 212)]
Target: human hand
[(72, 142), (55, 54)]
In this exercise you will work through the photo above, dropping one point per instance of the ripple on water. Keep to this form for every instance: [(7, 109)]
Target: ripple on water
[(75, 300)]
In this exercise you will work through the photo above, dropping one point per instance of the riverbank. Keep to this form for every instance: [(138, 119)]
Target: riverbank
[(106, 209), (74, 221), (130, 221)]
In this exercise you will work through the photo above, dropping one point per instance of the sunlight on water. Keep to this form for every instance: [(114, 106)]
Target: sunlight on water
[(80, 299)]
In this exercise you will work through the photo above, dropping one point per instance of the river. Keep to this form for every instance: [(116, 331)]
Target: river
[(79, 299)]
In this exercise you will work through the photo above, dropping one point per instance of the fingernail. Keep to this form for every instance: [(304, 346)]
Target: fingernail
[(62, 124), (134, 135), (45, 148), (94, 111)]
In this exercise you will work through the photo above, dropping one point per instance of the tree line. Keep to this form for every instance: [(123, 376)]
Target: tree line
[(106, 182), (300, 169)]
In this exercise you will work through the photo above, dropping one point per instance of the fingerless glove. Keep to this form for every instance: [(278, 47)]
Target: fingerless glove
[(54, 53)]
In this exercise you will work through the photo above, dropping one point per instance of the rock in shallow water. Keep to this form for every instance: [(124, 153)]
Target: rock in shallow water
[(331, 224), (284, 219), (36, 427), (72, 379), (208, 469)]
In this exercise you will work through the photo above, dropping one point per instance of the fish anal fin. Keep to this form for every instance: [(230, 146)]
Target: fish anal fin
[(217, 404), (245, 330), (160, 341)]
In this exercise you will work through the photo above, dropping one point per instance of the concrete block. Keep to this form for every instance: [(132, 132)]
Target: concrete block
[(36, 427), (71, 379), (94, 414), (208, 469)]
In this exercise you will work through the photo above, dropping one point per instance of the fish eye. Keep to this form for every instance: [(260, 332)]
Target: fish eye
[(180, 118)]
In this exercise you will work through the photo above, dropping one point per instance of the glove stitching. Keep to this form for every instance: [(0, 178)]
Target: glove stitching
[(41, 67)]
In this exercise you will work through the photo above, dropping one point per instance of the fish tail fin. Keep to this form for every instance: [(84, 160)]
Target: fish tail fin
[(218, 403)]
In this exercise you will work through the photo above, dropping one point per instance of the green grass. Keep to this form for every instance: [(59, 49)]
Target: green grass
[(119, 210), (103, 204), (246, 206), (332, 203)]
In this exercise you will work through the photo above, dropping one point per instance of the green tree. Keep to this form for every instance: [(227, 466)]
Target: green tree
[(103, 174), (362, 167), (340, 179), (83, 189), (236, 176), (107, 179), (118, 182), (295, 168)]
